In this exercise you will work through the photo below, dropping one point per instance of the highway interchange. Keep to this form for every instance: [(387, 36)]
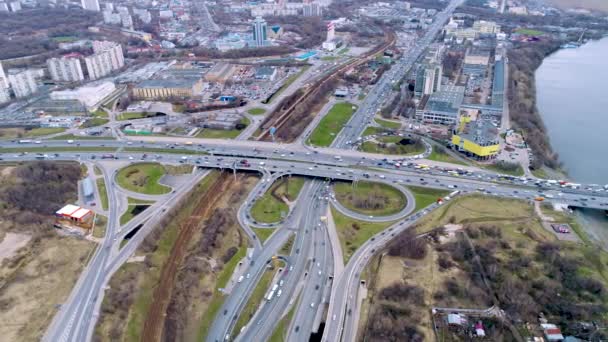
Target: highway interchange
[(317, 284)]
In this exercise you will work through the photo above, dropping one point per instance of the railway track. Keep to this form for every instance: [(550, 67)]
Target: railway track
[(280, 121)]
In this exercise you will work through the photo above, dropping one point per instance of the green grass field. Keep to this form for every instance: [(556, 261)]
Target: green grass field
[(100, 113), (94, 122), (353, 233), (440, 156), (101, 223), (143, 178), (209, 133), (103, 193), (263, 233), (496, 168), (370, 198), (329, 127), (388, 123), (389, 145), (132, 200), (132, 211), (42, 131), (426, 196), (372, 130), (133, 115), (218, 133), (270, 208), (79, 137), (329, 58), (256, 111)]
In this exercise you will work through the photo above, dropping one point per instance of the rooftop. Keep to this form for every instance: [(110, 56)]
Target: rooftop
[(482, 132), (498, 84), (448, 99), (168, 83)]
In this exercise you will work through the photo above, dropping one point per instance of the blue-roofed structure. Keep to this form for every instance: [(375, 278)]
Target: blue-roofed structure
[(305, 56), (87, 188), (442, 106), (498, 84)]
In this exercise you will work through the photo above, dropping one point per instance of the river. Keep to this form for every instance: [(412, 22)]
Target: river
[(572, 98)]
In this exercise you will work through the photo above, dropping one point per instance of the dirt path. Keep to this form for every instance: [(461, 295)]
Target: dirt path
[(11, 243), (155, 319)]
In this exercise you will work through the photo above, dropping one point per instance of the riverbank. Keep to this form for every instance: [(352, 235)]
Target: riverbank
[(523, 62)]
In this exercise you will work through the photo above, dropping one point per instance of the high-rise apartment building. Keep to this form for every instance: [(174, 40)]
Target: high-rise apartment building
[(125, 16), (111, 18), (4, 86), (107, 57), (3, 78), (428, 79), (90, 5), (311, 9), (259, 27), (23, 82), (65, 69), (4, 94), (15, 6)]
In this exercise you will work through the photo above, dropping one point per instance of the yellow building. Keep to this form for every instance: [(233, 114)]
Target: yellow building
[(478, 139), (168, 88)]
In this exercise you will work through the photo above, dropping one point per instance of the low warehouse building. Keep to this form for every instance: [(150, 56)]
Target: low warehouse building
[(73, 214), (168, 88)]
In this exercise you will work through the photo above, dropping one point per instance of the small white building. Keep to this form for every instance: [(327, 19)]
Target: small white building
[(90, 95)]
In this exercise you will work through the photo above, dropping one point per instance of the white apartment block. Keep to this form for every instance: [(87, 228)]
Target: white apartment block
[(108, 57), (65, 69), (111, 18), (23, 82), (4, 94), (4, 86), (143, 14), (98, 65), (486, 27), (3, 78), (90, 5), (15, 6)]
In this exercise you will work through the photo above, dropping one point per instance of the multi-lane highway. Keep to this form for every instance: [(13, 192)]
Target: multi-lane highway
[(308, 283), (69, 327), (86, 296)]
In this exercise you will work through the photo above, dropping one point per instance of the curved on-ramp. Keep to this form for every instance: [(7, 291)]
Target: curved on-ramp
[(407, 210)]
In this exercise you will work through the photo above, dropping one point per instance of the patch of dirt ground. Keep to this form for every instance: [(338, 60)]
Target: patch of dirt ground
[(11, 243), (35, 281)]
